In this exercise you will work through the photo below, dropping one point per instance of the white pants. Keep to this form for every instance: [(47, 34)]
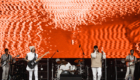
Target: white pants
[(58, 73), (127, 72), (31, 73), (95, 71), (5, 72)]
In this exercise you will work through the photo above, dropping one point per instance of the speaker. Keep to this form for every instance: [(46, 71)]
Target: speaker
[(70, 77)]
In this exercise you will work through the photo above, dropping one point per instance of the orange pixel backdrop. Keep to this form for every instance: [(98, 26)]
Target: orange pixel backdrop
[(63, 25)]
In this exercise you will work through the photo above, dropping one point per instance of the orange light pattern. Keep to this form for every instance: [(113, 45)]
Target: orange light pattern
[(64, 24)]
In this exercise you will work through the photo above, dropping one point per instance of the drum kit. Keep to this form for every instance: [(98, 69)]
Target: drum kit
[(73, 69)]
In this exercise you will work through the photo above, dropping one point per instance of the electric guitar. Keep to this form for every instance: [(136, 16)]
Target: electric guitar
[(128, 64), (31, 64), (3, 63)]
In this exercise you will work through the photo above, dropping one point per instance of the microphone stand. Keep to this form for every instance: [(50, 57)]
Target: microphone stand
[(82, 58), (52, 63)]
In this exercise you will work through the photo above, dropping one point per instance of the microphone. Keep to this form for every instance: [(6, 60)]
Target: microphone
[(79, 45)]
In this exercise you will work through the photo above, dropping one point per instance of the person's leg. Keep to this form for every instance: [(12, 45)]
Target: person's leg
[(3, 73), (36, 74), (58, 73), (30, 74), (6, 72), (132, 71), (127, 73), (94, 72), (99, 70)]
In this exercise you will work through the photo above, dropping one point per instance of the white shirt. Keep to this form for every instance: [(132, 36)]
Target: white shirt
[(132, 58), (31, 57), (65, 67)]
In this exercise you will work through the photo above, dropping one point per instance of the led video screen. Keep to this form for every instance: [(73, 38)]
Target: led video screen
[(70, 27)]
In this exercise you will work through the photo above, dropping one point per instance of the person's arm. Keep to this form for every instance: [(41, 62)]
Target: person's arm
[(10, 58), (60, 67), (38, 58), (93, 55), (104, 55), (13, 59), (127, 60), (26, 58), (1, 58), (136, 60)]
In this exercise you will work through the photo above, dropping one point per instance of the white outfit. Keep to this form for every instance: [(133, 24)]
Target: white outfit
[(95, 71), (5, 72), (5, 68), (35, 69), (96, 64), (131, 68), (63, 67)]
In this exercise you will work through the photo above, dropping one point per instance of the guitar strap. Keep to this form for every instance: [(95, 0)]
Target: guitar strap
[(34, 56)]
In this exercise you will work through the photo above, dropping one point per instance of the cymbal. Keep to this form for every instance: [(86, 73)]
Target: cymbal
[(78, 60), (78, 65)]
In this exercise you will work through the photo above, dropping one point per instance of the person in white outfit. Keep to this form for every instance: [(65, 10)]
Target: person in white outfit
[(6, 68), (30, 56), (96, 63), (130, 59), (65, 66)]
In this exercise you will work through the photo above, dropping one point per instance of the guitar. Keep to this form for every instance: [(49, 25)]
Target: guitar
[(3, 63), (128, 64), (31, 64)]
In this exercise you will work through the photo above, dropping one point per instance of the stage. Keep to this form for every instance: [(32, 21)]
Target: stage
[(70, 29)]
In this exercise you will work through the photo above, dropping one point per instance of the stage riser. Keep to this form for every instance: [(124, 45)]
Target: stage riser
[(111, 73)]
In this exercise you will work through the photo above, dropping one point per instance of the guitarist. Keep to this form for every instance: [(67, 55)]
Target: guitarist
[(130, 58), (30, 56), (6, 67)]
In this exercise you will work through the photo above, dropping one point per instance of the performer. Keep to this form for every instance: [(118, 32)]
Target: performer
[(130, 58), (65, 66), (30, 56), (6, 57), (96, 62)]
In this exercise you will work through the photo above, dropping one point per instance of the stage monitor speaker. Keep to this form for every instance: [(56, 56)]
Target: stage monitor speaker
[(70, 77)]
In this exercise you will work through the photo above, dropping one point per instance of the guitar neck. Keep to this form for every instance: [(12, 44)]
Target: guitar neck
[(42, 56)]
